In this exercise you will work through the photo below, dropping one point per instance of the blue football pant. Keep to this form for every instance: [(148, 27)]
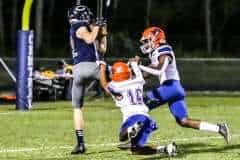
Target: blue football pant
[(148, 127), (170, 92)]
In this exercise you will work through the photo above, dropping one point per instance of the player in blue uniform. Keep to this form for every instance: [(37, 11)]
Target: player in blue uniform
[(87, 38), (170, 90)]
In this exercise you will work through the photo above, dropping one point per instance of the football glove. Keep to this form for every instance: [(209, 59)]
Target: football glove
[(100, 22)]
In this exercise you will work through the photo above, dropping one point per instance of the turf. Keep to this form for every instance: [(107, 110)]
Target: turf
[(46, 132)]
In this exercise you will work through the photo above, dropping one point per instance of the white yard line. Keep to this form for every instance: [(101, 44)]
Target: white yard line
[(26, 149), (5, 113), (19, 150)]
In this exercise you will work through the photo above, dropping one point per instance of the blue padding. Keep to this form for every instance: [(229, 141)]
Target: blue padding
[(24, 69)]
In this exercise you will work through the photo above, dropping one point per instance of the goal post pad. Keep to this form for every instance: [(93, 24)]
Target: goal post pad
[(25, 45), (24, 70)]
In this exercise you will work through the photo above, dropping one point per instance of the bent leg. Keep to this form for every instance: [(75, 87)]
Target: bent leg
[(179, 111), (142, 125)]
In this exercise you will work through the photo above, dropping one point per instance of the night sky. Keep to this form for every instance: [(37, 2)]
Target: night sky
[(183, 22)]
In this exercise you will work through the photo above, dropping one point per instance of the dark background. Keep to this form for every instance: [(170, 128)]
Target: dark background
[(182, 20)]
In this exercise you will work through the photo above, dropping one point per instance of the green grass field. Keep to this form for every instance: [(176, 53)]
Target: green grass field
[(46, 132)]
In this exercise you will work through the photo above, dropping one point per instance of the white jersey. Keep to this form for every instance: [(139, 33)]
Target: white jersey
[(171, 71), (130, 100)]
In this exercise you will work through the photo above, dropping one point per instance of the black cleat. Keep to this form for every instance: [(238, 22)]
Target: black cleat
[(125, 146), (134, 130), (224, 131), (79, 149)]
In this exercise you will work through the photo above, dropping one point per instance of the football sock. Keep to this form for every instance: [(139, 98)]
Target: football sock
[(79, 134), (208, 127)]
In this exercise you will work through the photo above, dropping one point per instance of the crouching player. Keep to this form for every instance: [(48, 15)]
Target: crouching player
[(126, 90)]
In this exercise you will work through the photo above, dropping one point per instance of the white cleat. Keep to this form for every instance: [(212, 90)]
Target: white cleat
[(224, 131), (171, 149)]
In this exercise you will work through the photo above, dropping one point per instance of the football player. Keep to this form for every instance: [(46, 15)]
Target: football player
[(127, 92), (170, 90), (87, 38)]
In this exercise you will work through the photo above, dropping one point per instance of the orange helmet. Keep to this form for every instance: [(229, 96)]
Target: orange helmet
[(120, 71), (151, 38)]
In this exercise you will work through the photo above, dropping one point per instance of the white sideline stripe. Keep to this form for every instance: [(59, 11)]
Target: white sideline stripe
[(110, 144)]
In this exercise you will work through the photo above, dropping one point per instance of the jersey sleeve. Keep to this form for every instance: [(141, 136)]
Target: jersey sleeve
[(160, 51)]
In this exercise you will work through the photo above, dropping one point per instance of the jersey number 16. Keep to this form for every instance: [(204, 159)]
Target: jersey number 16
[(135, 96)]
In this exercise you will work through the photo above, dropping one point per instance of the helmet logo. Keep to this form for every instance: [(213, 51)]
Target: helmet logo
[(151, 38), (80, 8), (119, 70), (79, 14)]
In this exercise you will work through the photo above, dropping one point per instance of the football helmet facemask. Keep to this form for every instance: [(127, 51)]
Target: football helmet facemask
[(151, 38)]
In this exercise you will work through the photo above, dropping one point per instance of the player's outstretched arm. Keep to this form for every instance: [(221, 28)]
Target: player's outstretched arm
[(157, 71), (134, 59), (103, 77), (136, 69), (102, 40), (137, 59)]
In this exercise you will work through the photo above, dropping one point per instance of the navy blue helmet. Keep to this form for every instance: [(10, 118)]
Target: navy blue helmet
[(79, 14)]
